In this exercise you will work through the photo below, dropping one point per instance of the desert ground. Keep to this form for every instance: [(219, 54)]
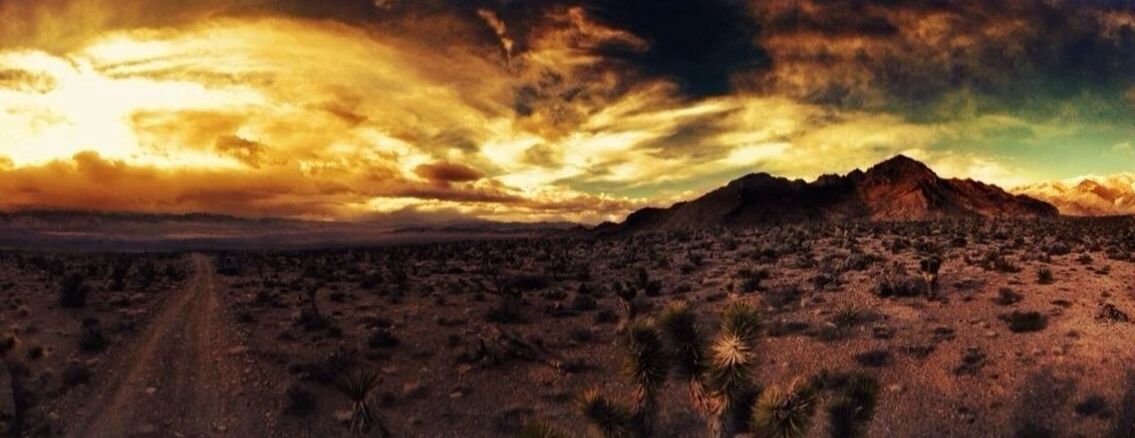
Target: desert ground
[(1024, 331)]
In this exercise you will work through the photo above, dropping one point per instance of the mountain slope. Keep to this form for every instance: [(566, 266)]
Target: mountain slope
[(897, 189), (1088, 196)]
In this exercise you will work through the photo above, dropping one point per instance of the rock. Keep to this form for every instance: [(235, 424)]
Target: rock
[(151, 390), (412, 389), (343, 416)]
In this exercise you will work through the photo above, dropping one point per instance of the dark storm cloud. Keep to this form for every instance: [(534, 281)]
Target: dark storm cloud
[(908, 55)]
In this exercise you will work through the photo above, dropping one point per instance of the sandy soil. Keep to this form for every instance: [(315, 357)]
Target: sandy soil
[(186, 375), (228, 350)]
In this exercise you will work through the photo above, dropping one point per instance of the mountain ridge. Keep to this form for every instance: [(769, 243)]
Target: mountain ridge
[(900, 188), (1108, 195)]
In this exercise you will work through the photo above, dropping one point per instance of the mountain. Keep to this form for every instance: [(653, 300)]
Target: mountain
[(1088, 196), (63, 229), (900, 188)]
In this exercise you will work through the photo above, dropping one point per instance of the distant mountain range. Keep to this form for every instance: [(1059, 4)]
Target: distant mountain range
[(900, 188), (1088, 196), (62, 229)]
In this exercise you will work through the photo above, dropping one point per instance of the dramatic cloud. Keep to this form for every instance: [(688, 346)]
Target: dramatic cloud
[(540, 110)]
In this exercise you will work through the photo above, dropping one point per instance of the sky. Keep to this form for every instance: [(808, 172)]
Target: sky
[(541, 110)]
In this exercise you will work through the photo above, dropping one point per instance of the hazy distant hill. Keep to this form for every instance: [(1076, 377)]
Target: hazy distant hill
[(900, 188), (1088, 196), (94, 230)]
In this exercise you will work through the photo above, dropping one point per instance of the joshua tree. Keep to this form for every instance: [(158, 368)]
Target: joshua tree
[(608, 418), (627, 295), (721, 387), (18, 375), (852, 407), (647, 366), (785, 412), (929, 267), (357, 388)]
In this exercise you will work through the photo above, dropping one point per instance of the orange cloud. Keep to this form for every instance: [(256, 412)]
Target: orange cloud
[(444, 172)]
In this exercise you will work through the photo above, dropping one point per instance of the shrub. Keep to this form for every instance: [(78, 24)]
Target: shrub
[(382, 338), (1007, 297), (73, 292), (1022, 322), (1044, 275), (873, 358), (299, 401), (92, 339)]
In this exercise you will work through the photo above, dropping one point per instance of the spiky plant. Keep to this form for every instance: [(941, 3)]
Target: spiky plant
[(647, 365), (732, 386), (929, 268), (687, 349), (852, 407), (627, 295), (742, 320), (357, 388), (785, 412), (609, 419), (539, 429)]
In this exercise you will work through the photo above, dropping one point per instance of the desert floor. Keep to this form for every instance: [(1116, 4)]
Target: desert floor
[(478, 338)]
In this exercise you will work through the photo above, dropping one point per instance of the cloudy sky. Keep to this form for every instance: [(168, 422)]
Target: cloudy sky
[(541, 109)]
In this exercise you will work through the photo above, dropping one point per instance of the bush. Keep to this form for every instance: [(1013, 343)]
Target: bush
[(1007, 297), (73, 292), (300, 402), (92, 338), (382, 338), (873, 358), (1044, 275), (76, 373), (1022, 322)]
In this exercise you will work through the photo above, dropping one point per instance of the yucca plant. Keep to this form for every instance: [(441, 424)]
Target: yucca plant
[(357, 387), (679, 327), (929, 268), (720, 385), (852, 407), (608, 418), (647, 366), (785, 412)]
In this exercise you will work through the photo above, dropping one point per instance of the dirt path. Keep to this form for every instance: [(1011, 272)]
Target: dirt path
[(187, 375)]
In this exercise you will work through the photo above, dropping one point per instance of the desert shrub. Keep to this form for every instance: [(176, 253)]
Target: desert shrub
[(1044, 275), (1108, 312), (298, 401), (972, 361), (76, 373), (382, 338), (852, 406), (1006, 297), (1092, 405), (873, 358), (780, 328), (91, 339), (783, 296), (73, 292), (1022, 322), (898, 284), (606, 316), (1058, 249), (529, 282), (583, 303)]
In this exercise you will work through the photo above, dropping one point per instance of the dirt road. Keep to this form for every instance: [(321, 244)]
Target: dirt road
[(187, 375)]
